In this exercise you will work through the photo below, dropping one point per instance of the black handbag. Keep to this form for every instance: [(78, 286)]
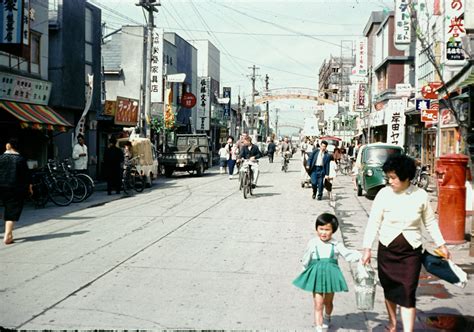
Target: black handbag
[(439, 267)]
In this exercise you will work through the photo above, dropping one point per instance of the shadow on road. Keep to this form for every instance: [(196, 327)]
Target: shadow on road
[(355, 321), (48, 236), (266, 194)]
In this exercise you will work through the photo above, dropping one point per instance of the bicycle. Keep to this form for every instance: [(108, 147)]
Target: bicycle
[(79, 187), (285, 161), (88, 181), (246, 178), (132, 179), (47, 186)]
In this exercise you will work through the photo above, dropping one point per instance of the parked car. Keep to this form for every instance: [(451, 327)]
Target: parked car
[(147, 163), (370, 177)]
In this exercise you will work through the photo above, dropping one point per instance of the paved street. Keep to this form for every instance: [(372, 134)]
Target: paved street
[(193, 254)]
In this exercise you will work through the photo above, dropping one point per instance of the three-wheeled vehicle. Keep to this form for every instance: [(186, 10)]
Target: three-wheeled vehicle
[(370, 177)]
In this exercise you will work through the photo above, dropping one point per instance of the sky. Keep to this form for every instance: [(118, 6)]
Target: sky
[(287, 40)]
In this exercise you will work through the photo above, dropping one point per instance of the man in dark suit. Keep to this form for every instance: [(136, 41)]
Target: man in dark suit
[(318, 167)]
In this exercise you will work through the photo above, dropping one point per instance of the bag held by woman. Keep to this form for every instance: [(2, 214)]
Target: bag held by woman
[(365, 287)]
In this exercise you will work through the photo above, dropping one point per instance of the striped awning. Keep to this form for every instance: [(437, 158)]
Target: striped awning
[(35, 116)]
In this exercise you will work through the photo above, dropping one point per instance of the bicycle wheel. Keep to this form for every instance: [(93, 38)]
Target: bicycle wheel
[(60, 192), (79, 188), (245, 184), (90, 185), (128, 184), (139, 182), (250, 182), (40, 194)]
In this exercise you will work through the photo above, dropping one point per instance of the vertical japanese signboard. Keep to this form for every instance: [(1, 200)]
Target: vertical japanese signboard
[(226, 94), (402, 32), (454, 31), (156, 68), (11, 20), (360, 68), (395, 118), (204, 104)]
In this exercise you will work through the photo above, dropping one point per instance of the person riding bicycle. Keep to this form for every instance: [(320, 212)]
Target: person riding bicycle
[(285, 152), (251, 152)]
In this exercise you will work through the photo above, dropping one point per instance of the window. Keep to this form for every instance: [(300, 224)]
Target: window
[(35, 47), (89, 25)]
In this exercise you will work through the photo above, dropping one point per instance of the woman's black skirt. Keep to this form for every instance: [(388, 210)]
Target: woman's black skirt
[(399, 268)]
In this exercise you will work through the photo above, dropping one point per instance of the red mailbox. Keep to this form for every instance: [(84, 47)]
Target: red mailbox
[(451, 172)]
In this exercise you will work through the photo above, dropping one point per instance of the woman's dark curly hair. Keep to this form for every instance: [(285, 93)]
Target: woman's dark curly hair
[(403, 165), (327, 218)]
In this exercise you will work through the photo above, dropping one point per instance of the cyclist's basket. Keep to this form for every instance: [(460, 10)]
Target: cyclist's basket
[(365, 287)]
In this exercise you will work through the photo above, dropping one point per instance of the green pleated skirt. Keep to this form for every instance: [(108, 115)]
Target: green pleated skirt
[(322, 276)]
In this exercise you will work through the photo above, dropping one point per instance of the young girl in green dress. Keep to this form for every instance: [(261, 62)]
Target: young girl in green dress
[(322, 275)]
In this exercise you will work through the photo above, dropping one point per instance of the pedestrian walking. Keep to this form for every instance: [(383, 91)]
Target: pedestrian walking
[(79, 155), (322, 275), (15, 182), (223, 156), (271, 148), (328, 181), (233, 153), (398, 214), (318, 168), (113, 159)]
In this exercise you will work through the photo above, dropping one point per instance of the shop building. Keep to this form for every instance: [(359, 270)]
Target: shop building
[(26, 90), (74, 55)]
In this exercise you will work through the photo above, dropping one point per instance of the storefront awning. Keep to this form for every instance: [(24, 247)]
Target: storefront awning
[(35, 116)]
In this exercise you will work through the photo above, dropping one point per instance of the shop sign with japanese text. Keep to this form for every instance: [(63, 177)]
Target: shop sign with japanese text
[(126, 112), (11, 21), (360, 68), (24, 89), (227, 94), (454, 32), (204, 104), (422, 104), (429, 115), (402, 32), (403, 89), (395, 117), (156, 68), (361, 96)]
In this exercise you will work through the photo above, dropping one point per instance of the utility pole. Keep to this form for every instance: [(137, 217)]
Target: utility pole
[(267, 111), (145, 112), (252, 77), (276, 122)]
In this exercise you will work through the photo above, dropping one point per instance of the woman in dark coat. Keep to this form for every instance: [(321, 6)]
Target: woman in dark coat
[(113, 159)]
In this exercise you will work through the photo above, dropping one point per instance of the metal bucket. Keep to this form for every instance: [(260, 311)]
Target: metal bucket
[(365, 289)]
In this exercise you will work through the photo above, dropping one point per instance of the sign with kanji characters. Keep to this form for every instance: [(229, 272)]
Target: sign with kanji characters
[(204, 104), (429, 115), (360, 68), (24, 89), (156, 67), (11, 20), (430, 91), (226, 93), (454, 32), (361, 96), (402, 33), (395, 118), (110, 107), (422, 104), (188, 100), (403, 89), (126, 112)]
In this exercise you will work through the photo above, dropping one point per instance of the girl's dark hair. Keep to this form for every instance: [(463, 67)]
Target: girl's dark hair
[(403, 166), (223, 145), (327, 218)]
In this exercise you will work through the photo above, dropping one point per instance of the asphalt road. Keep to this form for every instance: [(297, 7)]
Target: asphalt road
[(190, 254)]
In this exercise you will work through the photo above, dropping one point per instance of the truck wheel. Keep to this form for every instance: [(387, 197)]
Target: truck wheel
[(200, 169), (168, 171)]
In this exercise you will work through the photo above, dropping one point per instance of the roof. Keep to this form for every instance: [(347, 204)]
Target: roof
[(112, 53)]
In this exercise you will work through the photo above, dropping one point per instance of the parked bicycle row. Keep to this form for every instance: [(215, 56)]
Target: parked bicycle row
[(59, 183)]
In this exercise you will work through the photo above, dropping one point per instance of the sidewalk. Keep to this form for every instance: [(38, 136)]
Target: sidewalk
[(438, 302)]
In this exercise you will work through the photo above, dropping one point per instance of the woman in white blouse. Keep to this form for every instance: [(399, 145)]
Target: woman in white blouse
[(398, 212)]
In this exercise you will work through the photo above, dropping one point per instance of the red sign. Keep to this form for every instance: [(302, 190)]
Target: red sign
[(188, 100), (430, 91), (429, 115), (126, 112)]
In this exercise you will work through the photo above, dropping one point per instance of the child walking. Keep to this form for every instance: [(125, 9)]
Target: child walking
[(322, 275)]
